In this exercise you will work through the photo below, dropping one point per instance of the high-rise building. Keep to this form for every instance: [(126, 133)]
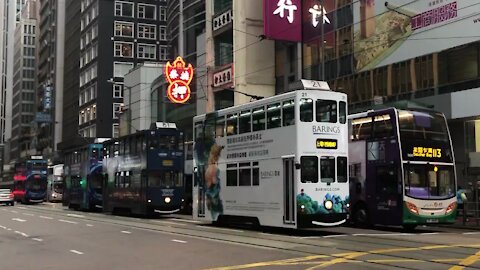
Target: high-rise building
[(23, 101)]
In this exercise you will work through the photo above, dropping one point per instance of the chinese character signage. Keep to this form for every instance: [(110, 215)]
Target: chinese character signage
[(326, 144), (47, 98), (283, 20), (179, 77), (427, 152), (397, 30), (318, 14)]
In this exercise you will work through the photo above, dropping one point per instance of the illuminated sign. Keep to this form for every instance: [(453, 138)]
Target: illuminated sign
[(179, 77), (326, 144), (167, 162), (428, 152)]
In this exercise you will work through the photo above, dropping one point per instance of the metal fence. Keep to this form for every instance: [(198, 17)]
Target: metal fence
[(470, 211)]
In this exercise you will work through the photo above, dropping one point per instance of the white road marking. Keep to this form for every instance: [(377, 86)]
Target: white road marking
[(76, 251), (470, 233), (44, 217), (168, 222), (21, 233), (3, 227), (430, 233), (4, 210), (89, 225), (37, 239), (187, 220), (310, 237), (126, 232), (28, 214), (220, 229), (21, 207), (179, 241), (335, 235), (13, 211), (75, 215), (381, 234), (68, 221), (18, 219)]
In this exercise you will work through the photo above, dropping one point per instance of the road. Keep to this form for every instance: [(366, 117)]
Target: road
[(49, 236)]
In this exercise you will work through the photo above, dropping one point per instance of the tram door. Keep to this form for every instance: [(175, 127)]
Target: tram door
[(288, 191)]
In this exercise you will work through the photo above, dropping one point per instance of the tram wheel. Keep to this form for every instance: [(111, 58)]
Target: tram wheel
[(360, 216)]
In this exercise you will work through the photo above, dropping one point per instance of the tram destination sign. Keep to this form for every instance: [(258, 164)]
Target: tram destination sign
[(327, 144)]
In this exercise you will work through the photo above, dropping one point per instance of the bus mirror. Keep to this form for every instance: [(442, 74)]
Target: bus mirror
[(297, 166)]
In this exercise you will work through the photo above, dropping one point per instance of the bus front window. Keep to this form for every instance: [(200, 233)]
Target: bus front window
[(419, 125), (429, 182)]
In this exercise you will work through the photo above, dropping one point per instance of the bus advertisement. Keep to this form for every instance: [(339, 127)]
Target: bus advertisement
[(30, 180), (402, 168), (279, 161)]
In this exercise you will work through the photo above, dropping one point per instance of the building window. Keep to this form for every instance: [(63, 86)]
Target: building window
[(115, 131), (117, 110), (163, 33), (147, 31), (163, 14), (94, 112), (147, 11), (123, 49), (123, 9), (163, 52), (121, 69), (117, 91), (146, 51), (123, 29)]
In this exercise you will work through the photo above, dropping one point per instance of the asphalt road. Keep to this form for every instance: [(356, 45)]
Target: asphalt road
[(49, 236)]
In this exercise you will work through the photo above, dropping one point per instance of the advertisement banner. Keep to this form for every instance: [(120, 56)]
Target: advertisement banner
[(397, 30), (283, 20)]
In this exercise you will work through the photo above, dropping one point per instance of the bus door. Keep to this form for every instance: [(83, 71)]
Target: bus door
[(387, 199), (288, 191)]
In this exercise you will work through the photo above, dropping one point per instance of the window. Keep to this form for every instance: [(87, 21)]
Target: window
[(361, 128), (306, 110), (123, 49), (147, 31), (124, 29), (245, 121), (121, 69), (163, 52), (163, 14), (309, 169), (326, 111), (117, 91), (147, 11), (342, 169), (163, 33), (258, 119), (245, 174), (117, 109), (123, 9), (146, 51), (274, 119), (382, 126), (232, 177), (288, 113), (115, 131), (220, 127), (255, 174), (232, 124), (342, 108), (327, 169)]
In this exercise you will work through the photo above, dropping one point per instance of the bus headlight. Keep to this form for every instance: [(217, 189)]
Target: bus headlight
[(328, 204), (167, 200), (412, 207), (450, 208)]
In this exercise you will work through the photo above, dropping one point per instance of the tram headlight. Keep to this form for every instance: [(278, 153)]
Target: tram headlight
[(149, 201), (328, 204), (167, 200)]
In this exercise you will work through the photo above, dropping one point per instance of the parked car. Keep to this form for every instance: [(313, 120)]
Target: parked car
[(6, 197)]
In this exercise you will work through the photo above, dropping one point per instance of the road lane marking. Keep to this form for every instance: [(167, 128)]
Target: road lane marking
[(381, 234), (21, 207), (44, 217), (126, 232), (76, 252), (4, 210), (18, 219), (21, 233), (28, 214), (37, 239), (271, 263), (75, 215), (179, 241), (467, 262), (68, 221), (335, 235), (13, 211), (89, 225), (430, 233), (187, 220), (470, 233)]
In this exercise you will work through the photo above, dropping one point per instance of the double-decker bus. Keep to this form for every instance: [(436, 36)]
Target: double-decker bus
[(402, 167), (279, 161), (55, 183), (83, 177), (144, 171), (30, 180)]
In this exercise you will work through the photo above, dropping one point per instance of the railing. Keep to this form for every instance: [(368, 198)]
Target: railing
[(470, 211)]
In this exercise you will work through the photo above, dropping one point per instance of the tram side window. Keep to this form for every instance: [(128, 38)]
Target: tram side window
[(274, 118), (258, 117), (342, 109), (382, 126), (245, 122), (342, 165), (255, 174), (245, 174), (126, 179), (327, 169), (306, 110), (288, 113), (232, 177), (232, 124), (309, 169), (362, 129), (220, 127), (135, 179), (326, 111)]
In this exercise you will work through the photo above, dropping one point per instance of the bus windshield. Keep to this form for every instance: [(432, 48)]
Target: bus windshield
[(422, 125), (429, 182)]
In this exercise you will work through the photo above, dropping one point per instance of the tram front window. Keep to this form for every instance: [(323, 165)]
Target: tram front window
[(429, 182), (36, 184), (58, 187), (162, 179)]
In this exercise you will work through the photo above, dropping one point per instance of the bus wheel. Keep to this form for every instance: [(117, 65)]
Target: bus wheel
[(360, 216), (409, 227)]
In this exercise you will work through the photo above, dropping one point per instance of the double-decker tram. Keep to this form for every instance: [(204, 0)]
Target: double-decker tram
[(280, 161), (30, 180), (83, 177), (402, 167), (144, 171), (55, 183)]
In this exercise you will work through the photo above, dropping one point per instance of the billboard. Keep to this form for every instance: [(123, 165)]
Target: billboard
[(397, 30)]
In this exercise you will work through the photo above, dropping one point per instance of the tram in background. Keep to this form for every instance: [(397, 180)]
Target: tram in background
[(402, 167), (280, 161), (30, 180), (144, 171), (83, 176), (55, 183)]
